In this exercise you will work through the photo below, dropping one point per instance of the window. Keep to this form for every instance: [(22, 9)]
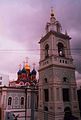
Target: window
[(45, 80), (65, 79), (46, 51), (61, 49), (66, 62), (57, 94), (40, 94), (67, 109), (66, 94), (45, 113), (46, 95), (45, 108), (9, 101), (60, 61), (22, 100), (74, 93)]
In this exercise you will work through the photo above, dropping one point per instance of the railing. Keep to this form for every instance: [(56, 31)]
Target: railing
[(57, 61)]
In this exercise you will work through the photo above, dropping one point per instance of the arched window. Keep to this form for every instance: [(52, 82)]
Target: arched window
[(9, 101), (45, 80), (45, 113), (46, 51), (45, 108), (22, 100), (67, 109), (65, 79), (61, 50)]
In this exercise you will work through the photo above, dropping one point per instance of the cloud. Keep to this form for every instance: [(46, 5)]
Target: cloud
[(70, 16), (22, 22)]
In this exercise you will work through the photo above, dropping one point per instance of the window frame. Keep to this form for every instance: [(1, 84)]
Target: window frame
[(10, 101), (46, 51), (22, 101)]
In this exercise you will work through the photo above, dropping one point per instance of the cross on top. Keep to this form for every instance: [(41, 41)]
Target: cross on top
[(23, 63), (26, 59), (34, 65)]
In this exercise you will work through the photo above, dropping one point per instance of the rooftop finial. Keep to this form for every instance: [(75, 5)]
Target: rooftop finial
[(52, 11), (26, 59)]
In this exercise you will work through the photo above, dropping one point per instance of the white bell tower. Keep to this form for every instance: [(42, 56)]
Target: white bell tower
[(57, 85)]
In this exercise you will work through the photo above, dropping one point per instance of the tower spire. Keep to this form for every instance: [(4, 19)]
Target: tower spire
[(52, 11)]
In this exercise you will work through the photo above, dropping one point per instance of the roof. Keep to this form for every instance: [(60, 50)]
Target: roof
[(57, 34), (33, 72)]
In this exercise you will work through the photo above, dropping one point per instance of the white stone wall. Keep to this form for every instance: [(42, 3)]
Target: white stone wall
[(16, 106)]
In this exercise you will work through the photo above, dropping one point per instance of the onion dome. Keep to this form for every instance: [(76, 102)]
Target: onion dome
[(27, 67), (24, 70), (33, 72), (19, 72)]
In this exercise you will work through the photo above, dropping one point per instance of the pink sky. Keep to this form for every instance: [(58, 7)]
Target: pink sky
[(22, 23)]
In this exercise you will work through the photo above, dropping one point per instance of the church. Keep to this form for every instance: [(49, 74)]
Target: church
[(54, 96), (19, 100), (57, 84)]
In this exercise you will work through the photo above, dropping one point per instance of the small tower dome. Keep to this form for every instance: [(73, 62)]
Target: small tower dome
[(24, 70), (33, 72), (19, 72)]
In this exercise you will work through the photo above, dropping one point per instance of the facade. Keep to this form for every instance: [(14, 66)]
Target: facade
[(4, 80), (57, 85), (17, 101), (20, 98)]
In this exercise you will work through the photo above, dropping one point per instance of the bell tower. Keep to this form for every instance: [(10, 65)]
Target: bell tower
[(57, 85)]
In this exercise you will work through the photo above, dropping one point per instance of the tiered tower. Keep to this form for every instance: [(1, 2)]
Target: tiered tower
[(57, 85)]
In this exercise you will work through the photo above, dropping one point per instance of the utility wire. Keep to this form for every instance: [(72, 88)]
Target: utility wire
[(35, 49)]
